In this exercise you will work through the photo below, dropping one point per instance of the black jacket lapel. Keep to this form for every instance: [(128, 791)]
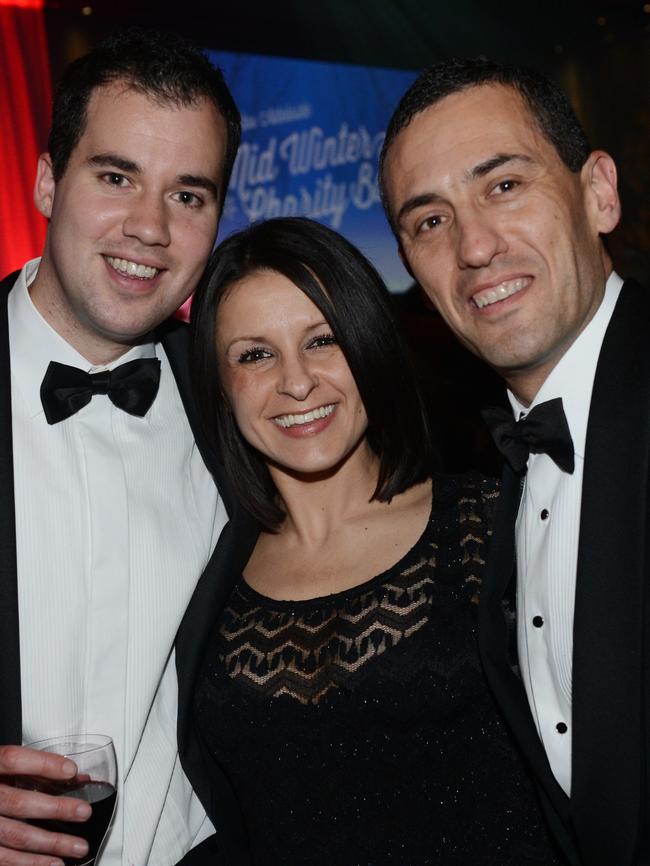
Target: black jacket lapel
[(226, 565), (175, 338), (507, 687), (10, 702), (609, 689)]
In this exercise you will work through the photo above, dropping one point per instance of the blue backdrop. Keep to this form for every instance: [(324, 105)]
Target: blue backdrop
[(312, 133)]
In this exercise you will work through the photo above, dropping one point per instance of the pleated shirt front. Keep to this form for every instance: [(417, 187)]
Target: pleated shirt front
[(116, 517)]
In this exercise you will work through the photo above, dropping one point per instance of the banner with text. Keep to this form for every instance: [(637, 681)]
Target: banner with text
[(312, 133)]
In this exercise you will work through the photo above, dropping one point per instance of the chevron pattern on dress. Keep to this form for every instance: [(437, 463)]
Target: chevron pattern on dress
[(306, 649)]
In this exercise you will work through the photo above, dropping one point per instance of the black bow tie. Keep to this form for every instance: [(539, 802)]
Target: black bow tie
[(131, 386), (544, 430)]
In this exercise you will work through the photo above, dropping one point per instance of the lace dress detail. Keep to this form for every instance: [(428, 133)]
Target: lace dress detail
[(357, 730)]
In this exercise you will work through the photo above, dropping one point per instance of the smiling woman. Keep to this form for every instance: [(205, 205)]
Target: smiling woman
[(289, 386), (342, 673), (297, 272)]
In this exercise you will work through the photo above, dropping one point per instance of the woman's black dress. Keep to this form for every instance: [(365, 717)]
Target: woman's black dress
[(357, 729)]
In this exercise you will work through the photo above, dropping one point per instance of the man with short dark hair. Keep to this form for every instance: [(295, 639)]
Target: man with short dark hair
[(109, 509), (499, 207)]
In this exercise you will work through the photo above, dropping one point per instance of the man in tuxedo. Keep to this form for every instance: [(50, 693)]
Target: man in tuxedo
[(499, 207), (109, 508)]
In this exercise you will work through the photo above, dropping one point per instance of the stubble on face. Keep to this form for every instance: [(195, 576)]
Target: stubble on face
[(498, 232)]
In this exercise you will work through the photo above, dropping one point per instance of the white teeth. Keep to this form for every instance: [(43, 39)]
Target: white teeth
[(307, 418), (498, 293), (132, 269)]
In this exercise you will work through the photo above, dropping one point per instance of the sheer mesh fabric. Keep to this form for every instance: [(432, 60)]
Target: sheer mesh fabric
[(303, 650)]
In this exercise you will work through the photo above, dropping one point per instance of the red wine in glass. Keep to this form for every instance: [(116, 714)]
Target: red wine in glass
[(95, 782)]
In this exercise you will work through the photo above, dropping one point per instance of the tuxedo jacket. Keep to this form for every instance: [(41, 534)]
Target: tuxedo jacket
[(606, 820), (212, 588)]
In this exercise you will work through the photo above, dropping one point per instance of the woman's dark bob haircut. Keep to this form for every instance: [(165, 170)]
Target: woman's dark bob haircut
[(353, 299)]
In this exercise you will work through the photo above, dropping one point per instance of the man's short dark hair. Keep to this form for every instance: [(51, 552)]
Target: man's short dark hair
[(162, 66), (548, 105), (349, 292)]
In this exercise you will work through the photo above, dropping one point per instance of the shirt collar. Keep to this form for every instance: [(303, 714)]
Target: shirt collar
[(34, 343), (572, 378)]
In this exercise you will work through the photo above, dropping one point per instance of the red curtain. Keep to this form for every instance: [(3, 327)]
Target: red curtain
[(25, 102)]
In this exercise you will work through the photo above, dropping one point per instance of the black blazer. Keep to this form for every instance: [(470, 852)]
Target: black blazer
[(211, 591), (605, 823), (208, 780)]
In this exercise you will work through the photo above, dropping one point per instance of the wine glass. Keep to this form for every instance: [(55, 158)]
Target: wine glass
[(95, 782)]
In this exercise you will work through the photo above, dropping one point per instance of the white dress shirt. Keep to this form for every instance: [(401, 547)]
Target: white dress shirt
[(116, 517), (547, 546)]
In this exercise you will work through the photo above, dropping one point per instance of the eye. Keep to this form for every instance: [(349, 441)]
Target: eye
[(254, 355), (114, 178), (322, 340), (505, 186), (429, 223), (189, 199)]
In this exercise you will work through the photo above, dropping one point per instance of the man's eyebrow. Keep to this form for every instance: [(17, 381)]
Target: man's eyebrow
[(199, 181), (112, 160), (415, 202), (497, 161), (483, 168)]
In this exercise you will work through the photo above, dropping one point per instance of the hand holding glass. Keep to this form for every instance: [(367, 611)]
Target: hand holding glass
[(95, 782)]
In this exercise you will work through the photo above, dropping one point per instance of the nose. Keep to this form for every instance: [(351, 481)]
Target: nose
[(479, 240), (148, 221), (297, 378)]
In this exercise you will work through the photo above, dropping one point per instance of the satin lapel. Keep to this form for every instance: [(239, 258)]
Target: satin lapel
[(175, 337), (493, 641), (608, 663), (10, 701), (226, 565)]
